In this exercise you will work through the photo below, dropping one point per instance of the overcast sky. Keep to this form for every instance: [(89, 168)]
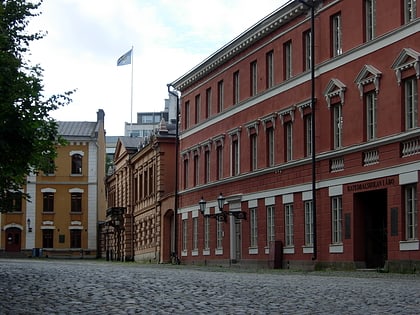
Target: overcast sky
[(86, 37)]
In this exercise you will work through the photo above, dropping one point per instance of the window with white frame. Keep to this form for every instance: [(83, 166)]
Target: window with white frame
[(308, 134), (337, 219), (370, 100), (76, 202), (336, 33), (208, 102), (186, 115), (186, 172), (76, 163), (287, 60), (206, 232), (271, 235), (197, 108), (253, 228), (220, 96), (338, 125), (219, 157), (253, 151), (370, 19), (411, 217), (309, 223), (288, 126), (410, 10), (270, 69), (219, 234), (195, 234), (184, 234), (270, 146), (254, 78), (288, 224), (235, 156), (411, 102), (307, 50), (206, 166), (236, 88), (196, 170)]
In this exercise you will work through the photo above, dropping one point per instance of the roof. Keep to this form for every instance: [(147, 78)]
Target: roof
[(77, 128), (130, 142)]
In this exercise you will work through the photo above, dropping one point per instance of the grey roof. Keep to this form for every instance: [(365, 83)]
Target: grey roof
[(77, 128), (130, 142)]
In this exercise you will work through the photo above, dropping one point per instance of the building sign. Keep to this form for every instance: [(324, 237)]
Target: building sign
[(376, 184)]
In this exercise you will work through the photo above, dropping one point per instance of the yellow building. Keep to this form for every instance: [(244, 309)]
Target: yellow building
[(62, 216)]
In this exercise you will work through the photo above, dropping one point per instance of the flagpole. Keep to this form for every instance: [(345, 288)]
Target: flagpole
[(131, 108)]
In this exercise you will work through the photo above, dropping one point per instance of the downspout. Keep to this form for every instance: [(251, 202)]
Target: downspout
[(176, 169)]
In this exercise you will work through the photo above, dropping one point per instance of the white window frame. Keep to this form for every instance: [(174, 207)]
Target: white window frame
[(253, 228), (254, 78), (271, 233), (288, 225), (289, 140), (338, 125), (270, 146), (185, 235), (337, 219), (410, 10), (195, 233), (236, 88), (370, 19), (309, 223), (337, 40), (288, 54), (219, 234), (308, 55), (206, 233), (308, 134), (371, 113), (411, 213), (270, 69), (411, 103), (254, 151)]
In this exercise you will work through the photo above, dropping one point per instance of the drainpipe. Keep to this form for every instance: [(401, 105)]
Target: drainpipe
[(176, 168)]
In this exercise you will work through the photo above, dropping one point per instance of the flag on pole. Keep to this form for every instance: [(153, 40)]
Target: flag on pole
[(125, 59)]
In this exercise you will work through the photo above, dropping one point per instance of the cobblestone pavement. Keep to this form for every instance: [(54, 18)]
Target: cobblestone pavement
[(42, 286)]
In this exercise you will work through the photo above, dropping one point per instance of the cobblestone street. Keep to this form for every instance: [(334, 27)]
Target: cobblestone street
[(98, 287)]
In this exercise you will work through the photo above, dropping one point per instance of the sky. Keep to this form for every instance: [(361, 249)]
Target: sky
[(85, 38)]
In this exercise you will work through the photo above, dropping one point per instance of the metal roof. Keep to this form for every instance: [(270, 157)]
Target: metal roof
[(77, 128)]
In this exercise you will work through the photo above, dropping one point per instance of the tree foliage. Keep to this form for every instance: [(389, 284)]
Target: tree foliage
[(28, 135)]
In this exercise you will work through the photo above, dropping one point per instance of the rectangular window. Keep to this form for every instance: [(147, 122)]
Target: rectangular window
[(219, 171), (254, 78), (307, 50), (253, 227), (411, 103), (75, 238), (271, 235), (337, 219), (411, 212), (48, 238), (370, 19), (196, 171), (184, 235), (206, 166), (338, 125), (208, 102), (270, 146), (336, 35), (76, 202), (309, 223), (235, 157), (197, 108), (186, 115), (195, 233), (206, 232), (288, 222), (370, 99), (253, 151), (220, 96), (287, 60), (270, 69), (308, 134), (186, 175), (48, 202), (76, 164), (219, 234), (14, 201), (289, 140), (409, 10), (236, 87)]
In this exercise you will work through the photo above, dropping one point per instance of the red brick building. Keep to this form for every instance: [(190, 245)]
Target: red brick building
[(245, 131)]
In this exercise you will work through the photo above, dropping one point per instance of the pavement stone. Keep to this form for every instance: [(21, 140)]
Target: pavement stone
[(42, 286)]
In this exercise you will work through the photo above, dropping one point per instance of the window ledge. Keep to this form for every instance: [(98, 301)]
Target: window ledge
[(409, 245), (289, 250), (336, 248), (308, 249), (218, 251), (253, 250)]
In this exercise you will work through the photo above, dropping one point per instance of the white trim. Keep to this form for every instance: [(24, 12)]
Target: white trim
[(287, 198), (288, 250), (71, 153), (75, 227), (307, 249), (408, 178), (49, 227), (185, 216), (206, 252), (76, 190), (218, 251), (335, 191), (194, 252), (306, 195), (253, 251), (252, 203), (409, 245), (194, 213), (269, 201), (48, 190), (13, 225), (336, 248)]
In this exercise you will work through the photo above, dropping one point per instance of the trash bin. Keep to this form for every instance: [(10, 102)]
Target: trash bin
[(35, 252)]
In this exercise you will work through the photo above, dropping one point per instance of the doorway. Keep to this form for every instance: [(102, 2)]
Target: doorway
[(371, 244), (13, 237)]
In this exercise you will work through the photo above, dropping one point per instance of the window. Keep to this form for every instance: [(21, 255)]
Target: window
[(308, 134), (219, 234), (270, 146), (76, 164), (307, 50), (370, 19), (220, 96), (195, 233), (76, 202), (411, 103), (287, 48), (184, 234), (219, 153), (409, 10), (186, 173), (235, 157), (75, 238), (206, 166), (288, 217), (309, 223), (270, 69), (197, 108), (47, 238), (337, 125), (253, 227), (208, 102), (337, 219), (206, 232), (254, 78), (370, 99), (186, 115), (236, 87), (411, 212), (14, 201), (253, 151), (48, 202), (336, 35), (196, 170), (271, 235), (289, 140)]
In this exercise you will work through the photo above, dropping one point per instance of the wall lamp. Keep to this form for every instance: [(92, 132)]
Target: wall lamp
[(28, 224), (222, 215)]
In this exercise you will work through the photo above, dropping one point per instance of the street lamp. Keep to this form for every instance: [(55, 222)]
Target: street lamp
[(222, 214), (28, 223)]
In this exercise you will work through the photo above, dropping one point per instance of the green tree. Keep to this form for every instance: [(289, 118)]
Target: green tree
[(28, 135)]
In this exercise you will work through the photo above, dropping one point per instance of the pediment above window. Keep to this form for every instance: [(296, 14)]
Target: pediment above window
[(369, 74), (408, 58), (288, 111), (334, 88), (252, 127)]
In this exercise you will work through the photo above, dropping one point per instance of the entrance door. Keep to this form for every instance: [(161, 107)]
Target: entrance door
[(372, 232), (13, 240)]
